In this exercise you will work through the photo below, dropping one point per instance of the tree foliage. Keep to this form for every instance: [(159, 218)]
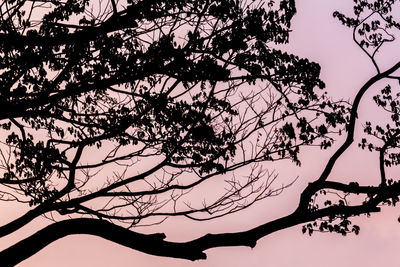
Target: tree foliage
[(115, 112)]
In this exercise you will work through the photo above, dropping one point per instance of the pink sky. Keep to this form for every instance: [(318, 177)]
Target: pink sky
[(318, 37)]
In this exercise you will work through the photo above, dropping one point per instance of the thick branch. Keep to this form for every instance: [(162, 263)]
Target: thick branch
[(155, 244), (22, 221)]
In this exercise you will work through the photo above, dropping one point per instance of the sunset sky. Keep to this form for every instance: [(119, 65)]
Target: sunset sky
[(318, 36)]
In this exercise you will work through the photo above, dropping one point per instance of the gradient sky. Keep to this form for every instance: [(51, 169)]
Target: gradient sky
[(317, 36)]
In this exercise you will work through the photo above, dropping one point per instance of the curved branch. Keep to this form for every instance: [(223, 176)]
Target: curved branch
[(155, 244), (318, 184), (353, 117)]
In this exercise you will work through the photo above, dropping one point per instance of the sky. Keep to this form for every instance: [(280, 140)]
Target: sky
[(319, 37)]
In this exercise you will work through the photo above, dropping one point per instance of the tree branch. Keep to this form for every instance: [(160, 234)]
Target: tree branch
[(155, 244), (310, 190)]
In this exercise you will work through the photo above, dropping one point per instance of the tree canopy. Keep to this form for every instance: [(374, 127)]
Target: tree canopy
[(117, 114)]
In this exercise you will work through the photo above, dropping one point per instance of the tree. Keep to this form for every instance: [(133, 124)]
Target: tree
[(113, 116)]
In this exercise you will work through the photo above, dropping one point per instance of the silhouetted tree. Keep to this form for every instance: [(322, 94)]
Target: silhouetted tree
[(113, 112)]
